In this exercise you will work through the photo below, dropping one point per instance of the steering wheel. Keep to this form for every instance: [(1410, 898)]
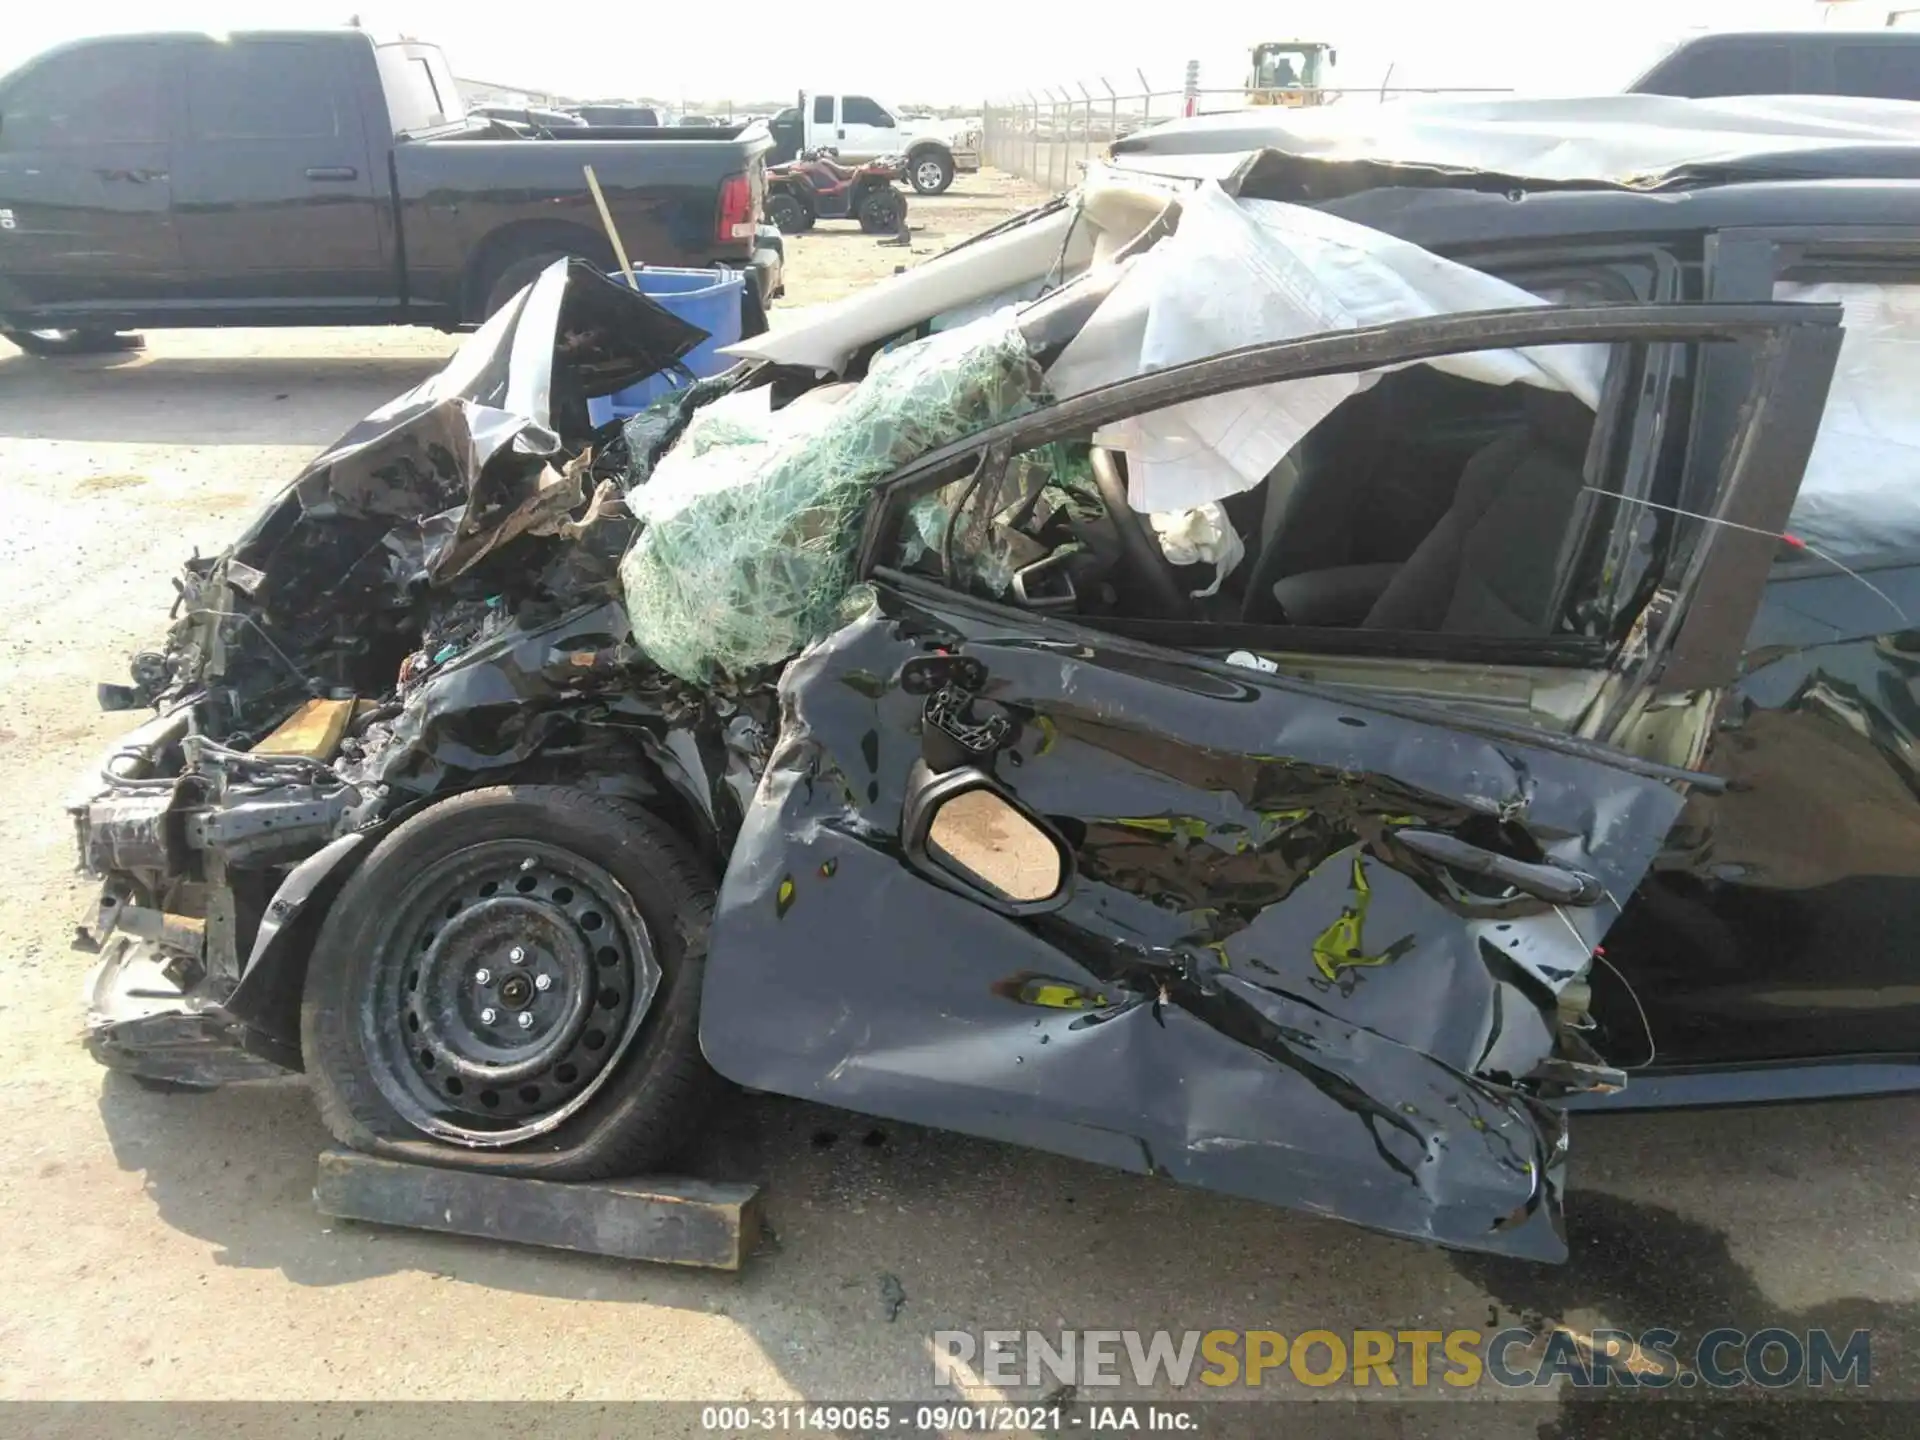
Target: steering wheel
[(1144, 556)]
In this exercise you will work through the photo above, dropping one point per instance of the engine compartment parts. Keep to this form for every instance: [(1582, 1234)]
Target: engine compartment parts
[(432, 601)]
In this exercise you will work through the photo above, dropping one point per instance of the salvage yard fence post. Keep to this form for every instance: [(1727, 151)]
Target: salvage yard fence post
[(1035, 138)]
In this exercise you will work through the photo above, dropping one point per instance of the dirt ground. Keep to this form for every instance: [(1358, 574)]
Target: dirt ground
[(165, 1246)]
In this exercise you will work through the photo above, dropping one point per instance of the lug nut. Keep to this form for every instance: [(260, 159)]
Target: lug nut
[(516, 954), (482, 976), (526, 1019), (543, 982), (489, 1015)]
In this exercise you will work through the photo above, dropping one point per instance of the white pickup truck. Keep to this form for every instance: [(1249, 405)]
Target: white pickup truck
[(861, 128)]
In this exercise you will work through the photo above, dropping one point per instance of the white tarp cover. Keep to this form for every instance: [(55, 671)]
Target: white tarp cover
[(1861, 491), (998, 270), (1240, 273), (1623, 139)]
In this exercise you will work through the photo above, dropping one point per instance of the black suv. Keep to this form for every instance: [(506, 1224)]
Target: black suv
[(1881, 64)]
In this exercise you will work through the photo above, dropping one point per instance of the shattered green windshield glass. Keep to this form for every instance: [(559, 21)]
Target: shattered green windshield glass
[(749, 524)]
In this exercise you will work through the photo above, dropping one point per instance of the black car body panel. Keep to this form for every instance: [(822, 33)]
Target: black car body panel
[(1778, 925), (1220, 998), (319, 177)]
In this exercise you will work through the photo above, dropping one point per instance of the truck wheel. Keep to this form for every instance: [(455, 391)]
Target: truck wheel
[(520, 262), (882, 211), (514, 276), (788, 214), (47, 343), (931, 171), (511, 982)]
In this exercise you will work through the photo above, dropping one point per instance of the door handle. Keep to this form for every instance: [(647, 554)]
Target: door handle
[(332, 172), (1553, 883), (133, 177), (841, 134)]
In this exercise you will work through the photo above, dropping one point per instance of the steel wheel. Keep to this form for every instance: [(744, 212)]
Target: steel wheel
[(504, 988), (928, 176)]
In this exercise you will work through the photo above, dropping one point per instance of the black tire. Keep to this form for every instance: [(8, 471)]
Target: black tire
[(930, 170), (519, 269), (627, 1110), (789, 214), (48, 344), (882, 211)]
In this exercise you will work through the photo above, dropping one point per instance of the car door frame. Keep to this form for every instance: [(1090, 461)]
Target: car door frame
[(290, 215), (868, 148), (1722, 1015), (794, 1004), (86, 288), (1705, 649)]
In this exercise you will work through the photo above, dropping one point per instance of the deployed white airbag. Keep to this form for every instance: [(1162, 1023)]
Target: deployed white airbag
[(1240, 273), (1103, 219), (1861, 490)]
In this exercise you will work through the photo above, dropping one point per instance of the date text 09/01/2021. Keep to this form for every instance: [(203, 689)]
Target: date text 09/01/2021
[(946, 1418)]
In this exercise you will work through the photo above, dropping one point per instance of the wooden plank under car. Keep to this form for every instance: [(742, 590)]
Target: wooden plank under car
[(667, 1221)]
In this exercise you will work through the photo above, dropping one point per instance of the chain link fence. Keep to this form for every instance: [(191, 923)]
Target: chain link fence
[(1049, 136)]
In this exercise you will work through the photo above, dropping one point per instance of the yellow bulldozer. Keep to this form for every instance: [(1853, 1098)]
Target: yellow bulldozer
[(1291, 72)]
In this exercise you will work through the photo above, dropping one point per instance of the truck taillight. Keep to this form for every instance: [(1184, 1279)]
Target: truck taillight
[(736, 209)]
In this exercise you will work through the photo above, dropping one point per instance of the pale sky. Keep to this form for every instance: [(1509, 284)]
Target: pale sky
[(960, 51)]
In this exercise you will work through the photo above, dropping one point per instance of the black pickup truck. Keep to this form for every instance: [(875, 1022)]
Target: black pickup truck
[(324, 178)]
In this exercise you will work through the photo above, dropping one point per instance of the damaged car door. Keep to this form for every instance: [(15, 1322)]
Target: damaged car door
[(1010, 875)]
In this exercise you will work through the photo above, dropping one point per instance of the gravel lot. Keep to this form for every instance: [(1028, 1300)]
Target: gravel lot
[(165, 1246)]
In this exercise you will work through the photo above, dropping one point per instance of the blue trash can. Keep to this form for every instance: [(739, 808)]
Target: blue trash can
[(707, 298)]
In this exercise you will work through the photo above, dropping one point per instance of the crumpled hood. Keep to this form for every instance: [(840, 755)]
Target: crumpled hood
[(327, 588), (462, 451)]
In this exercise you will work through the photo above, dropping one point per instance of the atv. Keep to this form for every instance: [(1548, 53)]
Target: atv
[(817, 187)]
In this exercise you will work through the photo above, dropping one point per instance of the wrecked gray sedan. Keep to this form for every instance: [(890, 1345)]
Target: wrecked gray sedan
[(928, 720)]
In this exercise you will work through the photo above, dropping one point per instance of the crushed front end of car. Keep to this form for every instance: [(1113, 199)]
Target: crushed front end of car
[(432, 604)]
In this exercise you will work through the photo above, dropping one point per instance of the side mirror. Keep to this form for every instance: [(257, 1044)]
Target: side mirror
[(981, 838), (960, 830)]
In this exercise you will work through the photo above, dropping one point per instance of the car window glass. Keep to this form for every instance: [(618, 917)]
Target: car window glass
[(1890, 72), (1419, 499), (1747, 68), (261, 90), (1860, 494), (416, 99), (99, 95), (429, 87), (859, 110), (823, 109)]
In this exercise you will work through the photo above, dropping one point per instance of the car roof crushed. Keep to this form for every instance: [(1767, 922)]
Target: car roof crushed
[(1642, 142)]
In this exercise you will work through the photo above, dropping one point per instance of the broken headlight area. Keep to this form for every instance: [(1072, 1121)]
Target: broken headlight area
[(432, 604)]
